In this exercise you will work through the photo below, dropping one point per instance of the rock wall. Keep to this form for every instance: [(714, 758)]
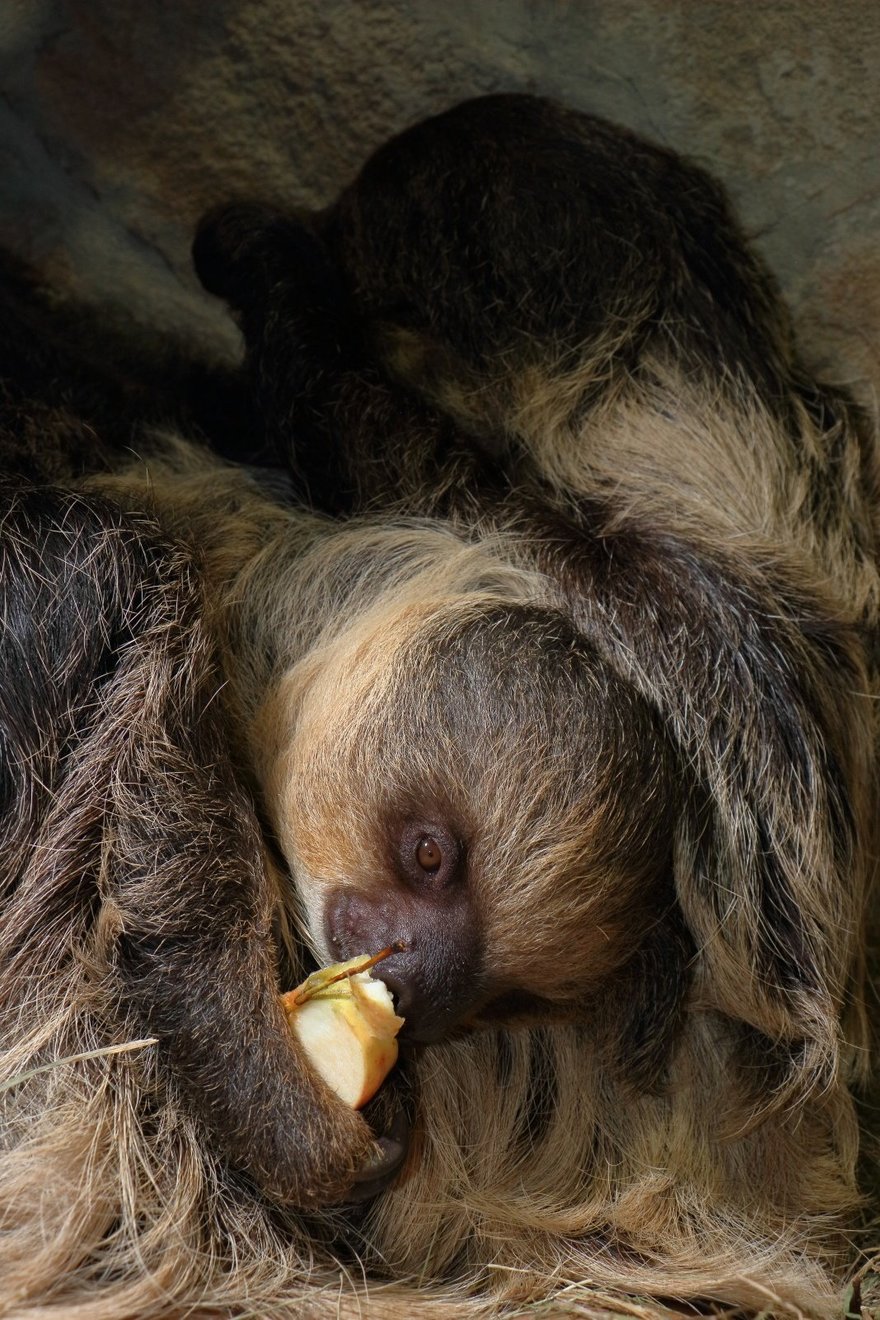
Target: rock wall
[(121, 120)]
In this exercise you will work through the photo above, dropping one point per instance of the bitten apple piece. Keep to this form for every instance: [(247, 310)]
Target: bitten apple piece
[(346, 1022)]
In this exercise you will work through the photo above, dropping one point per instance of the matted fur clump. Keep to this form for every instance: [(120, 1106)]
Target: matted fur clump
[(579, 586)]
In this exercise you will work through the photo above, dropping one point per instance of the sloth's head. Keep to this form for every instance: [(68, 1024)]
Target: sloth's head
[(472, 781)]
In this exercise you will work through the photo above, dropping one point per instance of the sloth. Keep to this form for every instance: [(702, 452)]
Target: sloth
[(555, 668)]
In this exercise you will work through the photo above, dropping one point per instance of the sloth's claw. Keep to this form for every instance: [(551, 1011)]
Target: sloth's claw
[(382, 1167)]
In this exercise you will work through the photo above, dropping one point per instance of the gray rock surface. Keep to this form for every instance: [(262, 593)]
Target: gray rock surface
[(121, 120)]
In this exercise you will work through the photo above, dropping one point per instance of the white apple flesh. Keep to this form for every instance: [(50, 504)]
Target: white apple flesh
[(346, 1023)]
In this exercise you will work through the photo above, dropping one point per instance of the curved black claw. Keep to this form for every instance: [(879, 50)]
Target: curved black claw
[(380, 1171)]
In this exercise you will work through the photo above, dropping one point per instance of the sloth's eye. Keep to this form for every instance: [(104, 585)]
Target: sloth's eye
[(429, 854)]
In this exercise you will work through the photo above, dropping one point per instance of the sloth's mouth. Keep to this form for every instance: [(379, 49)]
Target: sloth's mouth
[(520, 1008)]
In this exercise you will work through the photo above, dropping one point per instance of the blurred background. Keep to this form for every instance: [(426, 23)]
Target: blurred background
[(122, 120)]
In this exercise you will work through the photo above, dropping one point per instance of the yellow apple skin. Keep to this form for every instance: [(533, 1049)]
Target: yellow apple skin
[(346, 1023)]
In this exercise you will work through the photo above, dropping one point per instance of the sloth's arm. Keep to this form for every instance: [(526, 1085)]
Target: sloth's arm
[(127, 845), (766, 698)]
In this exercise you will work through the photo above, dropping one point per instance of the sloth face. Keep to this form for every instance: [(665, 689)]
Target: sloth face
[(473, 783)]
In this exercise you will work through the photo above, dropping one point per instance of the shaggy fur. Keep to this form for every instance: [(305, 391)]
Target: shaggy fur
[(603, 621)]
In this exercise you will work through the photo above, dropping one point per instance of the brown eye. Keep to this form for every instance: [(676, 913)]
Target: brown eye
[(428, 854)]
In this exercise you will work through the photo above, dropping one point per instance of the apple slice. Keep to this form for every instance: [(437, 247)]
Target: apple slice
[(346, 1023)]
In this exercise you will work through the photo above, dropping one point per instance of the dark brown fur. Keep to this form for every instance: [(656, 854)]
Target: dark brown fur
[(603, 619)]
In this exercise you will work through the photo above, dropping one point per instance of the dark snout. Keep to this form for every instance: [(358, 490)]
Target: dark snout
[(437, 977)]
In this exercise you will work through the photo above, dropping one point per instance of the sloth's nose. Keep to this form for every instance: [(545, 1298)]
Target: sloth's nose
[(434, 978)]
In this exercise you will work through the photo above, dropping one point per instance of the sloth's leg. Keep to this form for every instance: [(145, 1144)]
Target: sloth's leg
[(353, 439)]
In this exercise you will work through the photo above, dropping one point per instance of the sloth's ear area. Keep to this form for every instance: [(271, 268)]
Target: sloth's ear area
[(764, 955), (651, 1003)]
